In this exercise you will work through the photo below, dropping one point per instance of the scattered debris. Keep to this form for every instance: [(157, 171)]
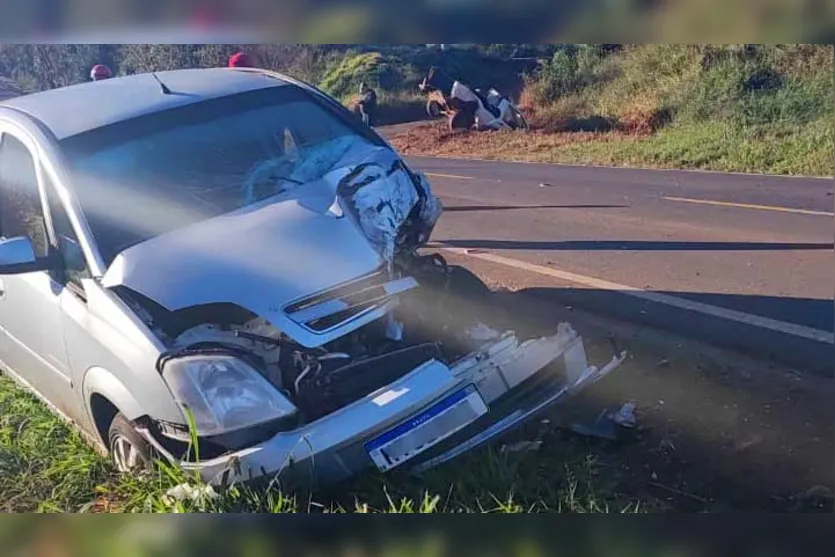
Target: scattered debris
[(604, 425), (667, 446), (818, 498), (481, 333), (522, 447), (664, 363), (748, 443), (625, 417), (677, 491), (188, 492)]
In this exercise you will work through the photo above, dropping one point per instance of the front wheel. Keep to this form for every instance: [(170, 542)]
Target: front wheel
[(129, 451), (518, 119)]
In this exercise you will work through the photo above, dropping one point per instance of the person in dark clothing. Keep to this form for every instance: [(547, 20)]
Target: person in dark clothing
[(367, 103)]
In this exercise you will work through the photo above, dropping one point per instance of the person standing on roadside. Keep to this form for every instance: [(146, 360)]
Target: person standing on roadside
[(367, 103)]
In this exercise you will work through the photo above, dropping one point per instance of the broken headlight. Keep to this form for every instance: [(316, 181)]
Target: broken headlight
[(224, 393)]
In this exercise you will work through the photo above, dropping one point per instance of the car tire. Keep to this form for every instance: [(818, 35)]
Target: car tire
[(129, 451), (433, 109), (520, 122), (471, 299), (461, 121), (467, 284)]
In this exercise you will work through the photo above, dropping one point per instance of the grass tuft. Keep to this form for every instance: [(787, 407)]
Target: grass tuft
[(45, 466)]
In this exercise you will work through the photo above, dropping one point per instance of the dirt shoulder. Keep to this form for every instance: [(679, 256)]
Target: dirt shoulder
[(718, 431), (710, 146)]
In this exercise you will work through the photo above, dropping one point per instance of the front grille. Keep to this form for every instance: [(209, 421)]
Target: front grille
[(336, 306)]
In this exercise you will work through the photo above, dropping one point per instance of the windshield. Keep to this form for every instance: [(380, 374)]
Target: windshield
[(143, 177)]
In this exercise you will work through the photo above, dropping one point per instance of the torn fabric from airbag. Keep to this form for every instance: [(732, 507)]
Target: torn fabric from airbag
[(383, 195), (379, 189), (383, 198)]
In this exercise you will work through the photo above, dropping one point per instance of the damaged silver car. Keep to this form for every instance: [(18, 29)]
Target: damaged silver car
[(227, 255)]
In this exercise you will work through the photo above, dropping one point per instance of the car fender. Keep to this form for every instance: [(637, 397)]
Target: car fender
[(100, 381)]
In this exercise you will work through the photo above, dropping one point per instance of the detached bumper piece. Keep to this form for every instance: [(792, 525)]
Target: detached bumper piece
[(536, 396), (433, 414)]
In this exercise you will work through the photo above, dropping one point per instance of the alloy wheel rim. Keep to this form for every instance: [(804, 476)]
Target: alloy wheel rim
[(126, 455)]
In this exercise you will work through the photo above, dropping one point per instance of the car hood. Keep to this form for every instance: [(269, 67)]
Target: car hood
[(260, 258), (282, 251)]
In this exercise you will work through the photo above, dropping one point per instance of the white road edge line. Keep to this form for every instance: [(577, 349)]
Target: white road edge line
[(682, 303), (749, 206), (451, 176), (640, 168)]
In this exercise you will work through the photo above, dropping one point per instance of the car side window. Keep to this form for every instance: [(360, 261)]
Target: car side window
[(21, 209), (66, 240)]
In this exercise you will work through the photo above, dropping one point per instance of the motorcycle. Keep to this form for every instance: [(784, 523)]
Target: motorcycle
[(468, 108)]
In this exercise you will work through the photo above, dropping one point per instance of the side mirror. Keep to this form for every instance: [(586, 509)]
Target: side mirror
[(17, 256)]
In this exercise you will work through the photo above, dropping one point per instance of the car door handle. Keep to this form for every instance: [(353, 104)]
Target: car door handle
[(2, 289)]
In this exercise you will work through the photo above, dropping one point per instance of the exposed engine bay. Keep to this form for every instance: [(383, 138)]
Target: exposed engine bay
[(433, 321)]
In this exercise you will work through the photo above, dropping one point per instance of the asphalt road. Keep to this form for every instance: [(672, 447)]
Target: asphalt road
[(742, 261)]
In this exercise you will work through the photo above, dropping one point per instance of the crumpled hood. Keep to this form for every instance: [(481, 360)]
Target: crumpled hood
[(270, 254), (260, 259)]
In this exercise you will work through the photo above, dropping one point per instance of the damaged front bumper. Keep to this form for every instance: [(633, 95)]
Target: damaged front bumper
[(428, 417)]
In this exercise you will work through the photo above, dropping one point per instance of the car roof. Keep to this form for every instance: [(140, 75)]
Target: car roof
[(72, 110)]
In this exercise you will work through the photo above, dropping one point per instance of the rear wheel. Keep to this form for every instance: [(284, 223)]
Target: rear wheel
[(129, 451), (433, 109), (521, 123)]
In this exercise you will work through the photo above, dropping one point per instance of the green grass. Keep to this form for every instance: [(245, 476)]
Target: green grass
[(45, 466), (792, 150)]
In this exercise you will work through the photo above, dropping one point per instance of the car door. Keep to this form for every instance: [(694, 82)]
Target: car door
[(31, 338)]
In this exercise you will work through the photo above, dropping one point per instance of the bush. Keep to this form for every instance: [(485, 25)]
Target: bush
[(744, 87), (379, 71), (558, 77), (796, 103), (717, 92)]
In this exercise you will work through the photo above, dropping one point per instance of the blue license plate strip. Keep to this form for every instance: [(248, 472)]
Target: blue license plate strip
[(428, 428)]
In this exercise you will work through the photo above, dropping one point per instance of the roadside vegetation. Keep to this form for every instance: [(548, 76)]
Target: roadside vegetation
[(45, 466), (743, 108), (394, 71)]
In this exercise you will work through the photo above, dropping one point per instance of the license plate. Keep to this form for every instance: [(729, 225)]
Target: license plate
[(428, 428)]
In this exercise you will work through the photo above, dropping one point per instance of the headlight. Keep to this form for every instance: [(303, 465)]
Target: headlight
[(224, 393)]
